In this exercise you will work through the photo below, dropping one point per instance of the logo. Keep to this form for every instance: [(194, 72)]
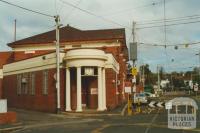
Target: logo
[(181, 113)]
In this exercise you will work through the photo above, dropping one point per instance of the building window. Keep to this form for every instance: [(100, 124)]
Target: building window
[(45, 82), (24, 83), (32, 83), (19, 83)]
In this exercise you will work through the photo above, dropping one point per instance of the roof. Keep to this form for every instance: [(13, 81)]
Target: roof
[(71, 34), (183, 101), (6, 57)]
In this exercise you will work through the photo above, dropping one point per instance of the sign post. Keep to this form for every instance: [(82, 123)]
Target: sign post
[(129, 100), (196, 87), (134, 71)]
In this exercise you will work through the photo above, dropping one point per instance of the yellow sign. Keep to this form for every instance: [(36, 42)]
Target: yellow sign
[(134, 71)]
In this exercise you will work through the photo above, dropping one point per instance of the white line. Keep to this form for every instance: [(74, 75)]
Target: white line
[(152, 121)]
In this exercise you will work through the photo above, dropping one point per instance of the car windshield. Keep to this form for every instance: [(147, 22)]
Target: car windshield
[(141, 94)]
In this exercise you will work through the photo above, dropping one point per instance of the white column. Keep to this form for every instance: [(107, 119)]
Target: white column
[(104, 88), (68, 93), (79, 98), (100, 89)]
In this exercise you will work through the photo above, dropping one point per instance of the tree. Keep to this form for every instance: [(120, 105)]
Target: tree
[(147, 73)]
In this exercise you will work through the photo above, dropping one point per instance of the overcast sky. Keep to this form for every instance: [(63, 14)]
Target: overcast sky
[(122, 12)]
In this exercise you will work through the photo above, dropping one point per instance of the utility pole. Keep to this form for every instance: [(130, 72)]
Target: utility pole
[(134, 42), (57, 20), (15, 27), (143, 76), (172, 82), (199, 63), (133, 58), (158, 69)]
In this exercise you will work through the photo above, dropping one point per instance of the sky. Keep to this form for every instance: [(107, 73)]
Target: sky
[(116, 14)]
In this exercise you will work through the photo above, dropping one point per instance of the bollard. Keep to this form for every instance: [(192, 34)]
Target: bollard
[(139, 109), (129, 105)]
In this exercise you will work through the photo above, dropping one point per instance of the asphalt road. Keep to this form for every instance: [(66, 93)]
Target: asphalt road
[(155, 122)]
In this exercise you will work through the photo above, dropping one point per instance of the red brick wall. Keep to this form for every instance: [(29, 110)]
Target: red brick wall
[(8, 118), (5, 57), (38, 101), (22, 55), (1, 91), (48, 103), (111, 97), (119, 55)]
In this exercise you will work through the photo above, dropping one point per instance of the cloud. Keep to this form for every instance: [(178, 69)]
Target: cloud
[(122, 12)]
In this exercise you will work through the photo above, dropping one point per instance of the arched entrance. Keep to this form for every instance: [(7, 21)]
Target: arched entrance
[(90, 79)]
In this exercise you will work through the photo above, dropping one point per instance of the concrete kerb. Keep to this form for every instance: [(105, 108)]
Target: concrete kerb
[(76, 114), (11, 128), (50, 124)]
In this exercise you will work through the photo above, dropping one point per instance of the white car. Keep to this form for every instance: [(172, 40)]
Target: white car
[(139, 98), (148, 94)]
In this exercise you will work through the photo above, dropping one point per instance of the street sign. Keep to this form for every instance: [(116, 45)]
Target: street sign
[(196, 87), (3, 106), (134, 71), (168, 105), (127, 89), (134, 88), (134, 80)]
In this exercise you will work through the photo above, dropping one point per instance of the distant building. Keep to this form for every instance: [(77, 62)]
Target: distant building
[(164, 83), (92, 72)]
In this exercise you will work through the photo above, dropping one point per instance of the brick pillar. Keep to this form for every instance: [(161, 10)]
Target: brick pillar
[(1, 89), (1, 81)]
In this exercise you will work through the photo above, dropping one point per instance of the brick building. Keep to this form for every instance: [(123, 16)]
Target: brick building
[(92, 70)]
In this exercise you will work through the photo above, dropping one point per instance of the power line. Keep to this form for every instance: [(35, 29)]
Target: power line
[(147, 27), (55, 5), (98, 16), (169, 19), (138, 7), (169, 45), (70, 12), (30, 10)]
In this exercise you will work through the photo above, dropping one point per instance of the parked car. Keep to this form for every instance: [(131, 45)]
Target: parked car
[(148, 94), (139, 98)]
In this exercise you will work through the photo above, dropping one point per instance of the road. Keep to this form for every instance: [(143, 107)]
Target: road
[(155, 122)]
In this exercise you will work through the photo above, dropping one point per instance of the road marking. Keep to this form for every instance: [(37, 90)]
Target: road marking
[(49, 124), (124, 110), (152, 121), (149, 125), (98, 130)]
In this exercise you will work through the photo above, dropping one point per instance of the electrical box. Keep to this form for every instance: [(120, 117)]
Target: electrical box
[(133, 51), (3, 106)]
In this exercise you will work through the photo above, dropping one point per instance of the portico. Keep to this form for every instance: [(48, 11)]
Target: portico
[(87, 63)]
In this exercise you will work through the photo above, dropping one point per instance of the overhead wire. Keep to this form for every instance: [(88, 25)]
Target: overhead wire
[(173, 24), (93, 14), (30, 10), (56, 8), (169, 19), (70, 12), (130, 9), (169, 45)]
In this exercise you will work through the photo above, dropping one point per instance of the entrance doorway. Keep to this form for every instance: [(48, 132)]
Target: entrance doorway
[(89, 92)]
